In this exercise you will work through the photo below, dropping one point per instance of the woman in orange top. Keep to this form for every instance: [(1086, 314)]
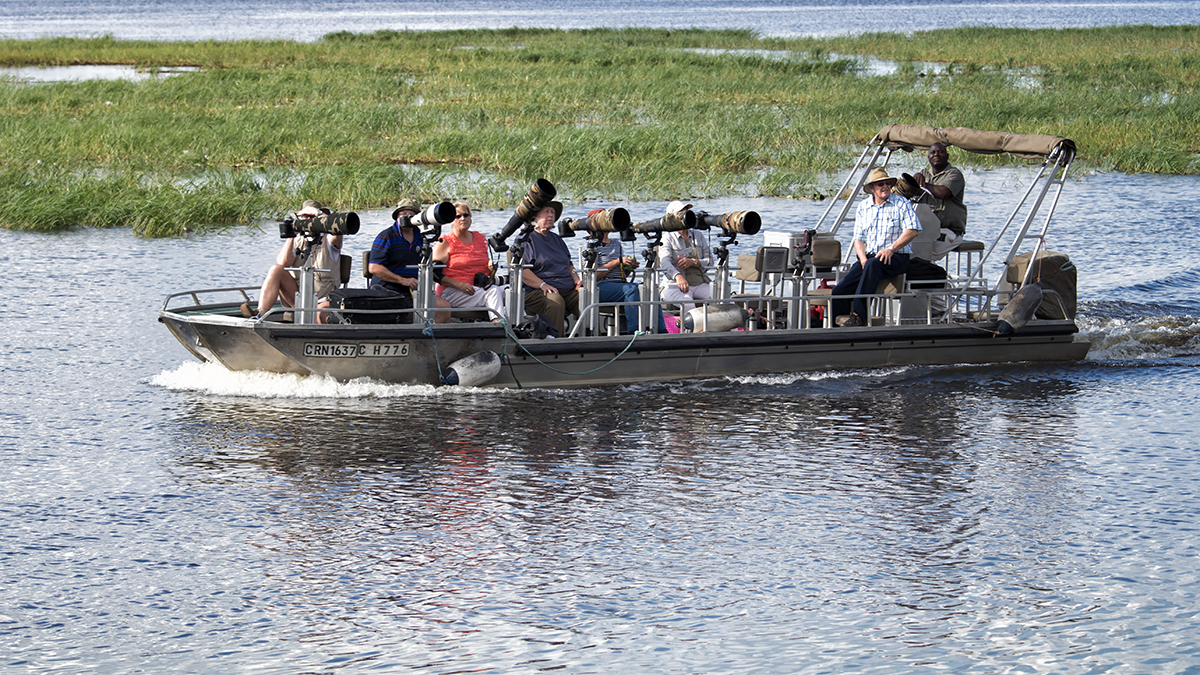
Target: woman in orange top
[(465, 255)]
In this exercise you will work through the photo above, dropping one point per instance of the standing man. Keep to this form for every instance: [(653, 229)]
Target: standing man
[(943, 187), (884, 224)]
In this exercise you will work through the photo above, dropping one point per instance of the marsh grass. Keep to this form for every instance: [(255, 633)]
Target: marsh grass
[(359, 120)]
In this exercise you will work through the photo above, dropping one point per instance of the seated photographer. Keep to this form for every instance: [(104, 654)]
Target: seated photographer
[(551, 284), (614, 274), (281, 285), (683, 257), (466, 279), (396, 255)]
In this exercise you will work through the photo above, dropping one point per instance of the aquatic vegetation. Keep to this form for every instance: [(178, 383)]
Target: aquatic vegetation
[(358, 120)]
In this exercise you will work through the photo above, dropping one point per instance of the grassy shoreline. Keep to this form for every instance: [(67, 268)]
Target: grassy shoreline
[(358, 120)]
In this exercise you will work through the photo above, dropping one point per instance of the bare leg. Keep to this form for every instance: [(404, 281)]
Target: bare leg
[(277, 286), (441, 317)]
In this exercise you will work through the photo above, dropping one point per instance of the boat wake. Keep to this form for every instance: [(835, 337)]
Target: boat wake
[(1148, 337), (216, 380)]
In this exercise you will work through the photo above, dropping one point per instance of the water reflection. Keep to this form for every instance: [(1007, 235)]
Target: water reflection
[(44, 74), (988, 518)]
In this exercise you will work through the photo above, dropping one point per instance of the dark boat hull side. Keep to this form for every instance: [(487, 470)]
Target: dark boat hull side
[(834, 349), (341, 352)]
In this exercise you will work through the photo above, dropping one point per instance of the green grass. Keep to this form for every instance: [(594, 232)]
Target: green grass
[(359, 120)]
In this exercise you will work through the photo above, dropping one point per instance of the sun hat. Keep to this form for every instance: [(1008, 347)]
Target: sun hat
[(677, 207), (877, 175), (406, 204), (312, 207), (557, 206)]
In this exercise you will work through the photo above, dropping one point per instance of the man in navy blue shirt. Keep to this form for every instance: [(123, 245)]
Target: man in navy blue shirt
[(396, 252)]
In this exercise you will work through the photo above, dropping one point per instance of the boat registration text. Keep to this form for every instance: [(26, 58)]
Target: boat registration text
[(363, 349)]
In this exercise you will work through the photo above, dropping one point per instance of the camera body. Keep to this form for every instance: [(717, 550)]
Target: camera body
[(326, 223)]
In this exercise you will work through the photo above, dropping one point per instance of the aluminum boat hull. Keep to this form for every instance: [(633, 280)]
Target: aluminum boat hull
[(347, 352)]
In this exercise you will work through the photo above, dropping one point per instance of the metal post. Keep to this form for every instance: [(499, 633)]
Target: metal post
[(516, 286), (306, 294), (588, 294), (646, 313)]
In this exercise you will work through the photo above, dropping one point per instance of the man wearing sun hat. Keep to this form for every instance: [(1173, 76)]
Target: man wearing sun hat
[(281, 286), (396, 252), (884, 225)]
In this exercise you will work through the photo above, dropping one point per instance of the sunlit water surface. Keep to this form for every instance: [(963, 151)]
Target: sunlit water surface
[(310, 19), (164, 514)]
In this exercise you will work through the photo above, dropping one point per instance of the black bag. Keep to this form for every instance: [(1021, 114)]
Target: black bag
[(920, 269), (536, 327), (371, 298)]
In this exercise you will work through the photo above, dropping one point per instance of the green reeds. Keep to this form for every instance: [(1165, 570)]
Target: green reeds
[(360, 120)]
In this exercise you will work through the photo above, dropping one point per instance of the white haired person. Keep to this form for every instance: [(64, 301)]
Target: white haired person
[(683, 256), (281, 285)]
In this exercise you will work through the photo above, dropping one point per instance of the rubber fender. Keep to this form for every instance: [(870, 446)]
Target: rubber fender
[(1020, 309), (715, 319), (474, 370)]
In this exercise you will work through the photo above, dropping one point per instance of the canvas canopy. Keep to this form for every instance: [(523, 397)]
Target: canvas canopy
[(914, 137)]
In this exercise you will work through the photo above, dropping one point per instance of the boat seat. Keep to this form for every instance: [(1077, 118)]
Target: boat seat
[(767, 260), (826, 253), (970, 249), (887, 310), (931, 229), (747, 270), (346, 264)]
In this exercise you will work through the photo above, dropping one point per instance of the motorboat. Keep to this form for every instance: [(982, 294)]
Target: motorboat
[(770, 311)]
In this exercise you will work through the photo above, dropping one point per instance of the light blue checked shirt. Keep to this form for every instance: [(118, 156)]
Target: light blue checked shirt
[(878, 226)]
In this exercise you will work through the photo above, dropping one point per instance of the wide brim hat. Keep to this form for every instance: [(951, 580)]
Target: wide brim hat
[(877, 175), (558, 208), (406, 205)]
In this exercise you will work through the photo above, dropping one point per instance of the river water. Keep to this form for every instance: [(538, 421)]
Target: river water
[(164, 515), (310, 19)]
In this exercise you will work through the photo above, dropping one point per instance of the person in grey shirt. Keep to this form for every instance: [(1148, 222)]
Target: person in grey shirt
[(551, 283)]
